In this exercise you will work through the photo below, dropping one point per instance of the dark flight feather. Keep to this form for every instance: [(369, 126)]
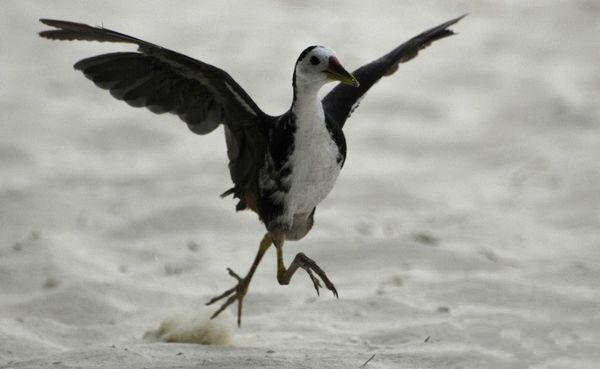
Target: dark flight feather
[(162, 80), (343, 99), (204, 96)]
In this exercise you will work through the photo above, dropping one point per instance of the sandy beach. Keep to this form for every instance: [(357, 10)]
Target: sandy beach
[(463, 231)]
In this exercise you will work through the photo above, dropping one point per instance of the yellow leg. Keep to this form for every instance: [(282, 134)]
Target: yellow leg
[(300, 261), (239, 291)]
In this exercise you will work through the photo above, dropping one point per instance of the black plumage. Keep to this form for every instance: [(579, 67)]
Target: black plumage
[(341, 101), (260, 147)]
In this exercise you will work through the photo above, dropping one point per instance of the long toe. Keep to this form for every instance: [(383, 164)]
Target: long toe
[(311, 266), (224, 294), (328, 284), (224, 306), (314, 279), (238, 292)]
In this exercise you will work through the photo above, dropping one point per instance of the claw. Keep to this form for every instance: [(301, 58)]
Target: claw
[(230, 300), (237, 293), (314, 279), (234, 274), (310, 266), (224, 294)]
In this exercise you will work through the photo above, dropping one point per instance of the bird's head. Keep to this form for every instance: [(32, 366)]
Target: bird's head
[(318, 65)]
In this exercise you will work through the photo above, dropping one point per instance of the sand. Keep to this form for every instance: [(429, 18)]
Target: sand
[(463, 231)]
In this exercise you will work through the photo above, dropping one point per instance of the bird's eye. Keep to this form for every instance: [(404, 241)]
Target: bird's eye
[(314, 60)]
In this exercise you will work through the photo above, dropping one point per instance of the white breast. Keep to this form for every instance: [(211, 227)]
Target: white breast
[(314, 160)]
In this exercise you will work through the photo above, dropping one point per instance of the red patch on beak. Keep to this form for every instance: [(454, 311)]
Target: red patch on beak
[(335, 65), (337, 72)]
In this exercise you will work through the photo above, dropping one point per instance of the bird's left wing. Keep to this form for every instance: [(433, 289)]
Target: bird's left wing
[(162, 80), (340, 102)]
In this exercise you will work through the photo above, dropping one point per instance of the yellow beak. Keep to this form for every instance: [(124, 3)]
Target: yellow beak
[(336, 72)]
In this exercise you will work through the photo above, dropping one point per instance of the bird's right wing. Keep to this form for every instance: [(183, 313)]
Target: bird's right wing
[(343, 99), (162, 80)]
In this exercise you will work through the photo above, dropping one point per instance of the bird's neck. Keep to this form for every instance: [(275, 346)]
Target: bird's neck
[(307, 106)]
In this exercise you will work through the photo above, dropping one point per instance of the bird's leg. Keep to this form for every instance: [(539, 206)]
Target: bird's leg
[(239, 291), (300, 261)]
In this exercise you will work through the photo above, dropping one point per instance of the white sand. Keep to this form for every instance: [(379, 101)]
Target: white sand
[(463, 231)]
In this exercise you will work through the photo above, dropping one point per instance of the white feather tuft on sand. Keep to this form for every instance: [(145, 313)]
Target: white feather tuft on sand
[(192, 328)]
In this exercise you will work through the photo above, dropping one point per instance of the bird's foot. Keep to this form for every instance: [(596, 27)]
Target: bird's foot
[(311, 268), (235, 293)]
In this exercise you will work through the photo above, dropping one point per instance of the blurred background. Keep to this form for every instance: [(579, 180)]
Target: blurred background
[(467, 211)]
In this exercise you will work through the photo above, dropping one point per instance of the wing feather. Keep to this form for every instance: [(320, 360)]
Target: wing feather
[(340, 102), (162, 80)]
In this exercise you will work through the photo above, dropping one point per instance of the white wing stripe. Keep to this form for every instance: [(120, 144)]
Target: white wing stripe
[(240, 99)]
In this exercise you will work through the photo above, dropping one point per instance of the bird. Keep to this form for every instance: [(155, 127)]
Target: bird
[(281, 167)]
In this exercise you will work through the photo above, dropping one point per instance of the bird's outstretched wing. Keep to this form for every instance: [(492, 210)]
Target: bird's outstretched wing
[(162, 80), (340, 102)]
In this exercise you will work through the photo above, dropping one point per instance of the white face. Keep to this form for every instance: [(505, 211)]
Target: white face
[(312, 67), (318, 65)]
